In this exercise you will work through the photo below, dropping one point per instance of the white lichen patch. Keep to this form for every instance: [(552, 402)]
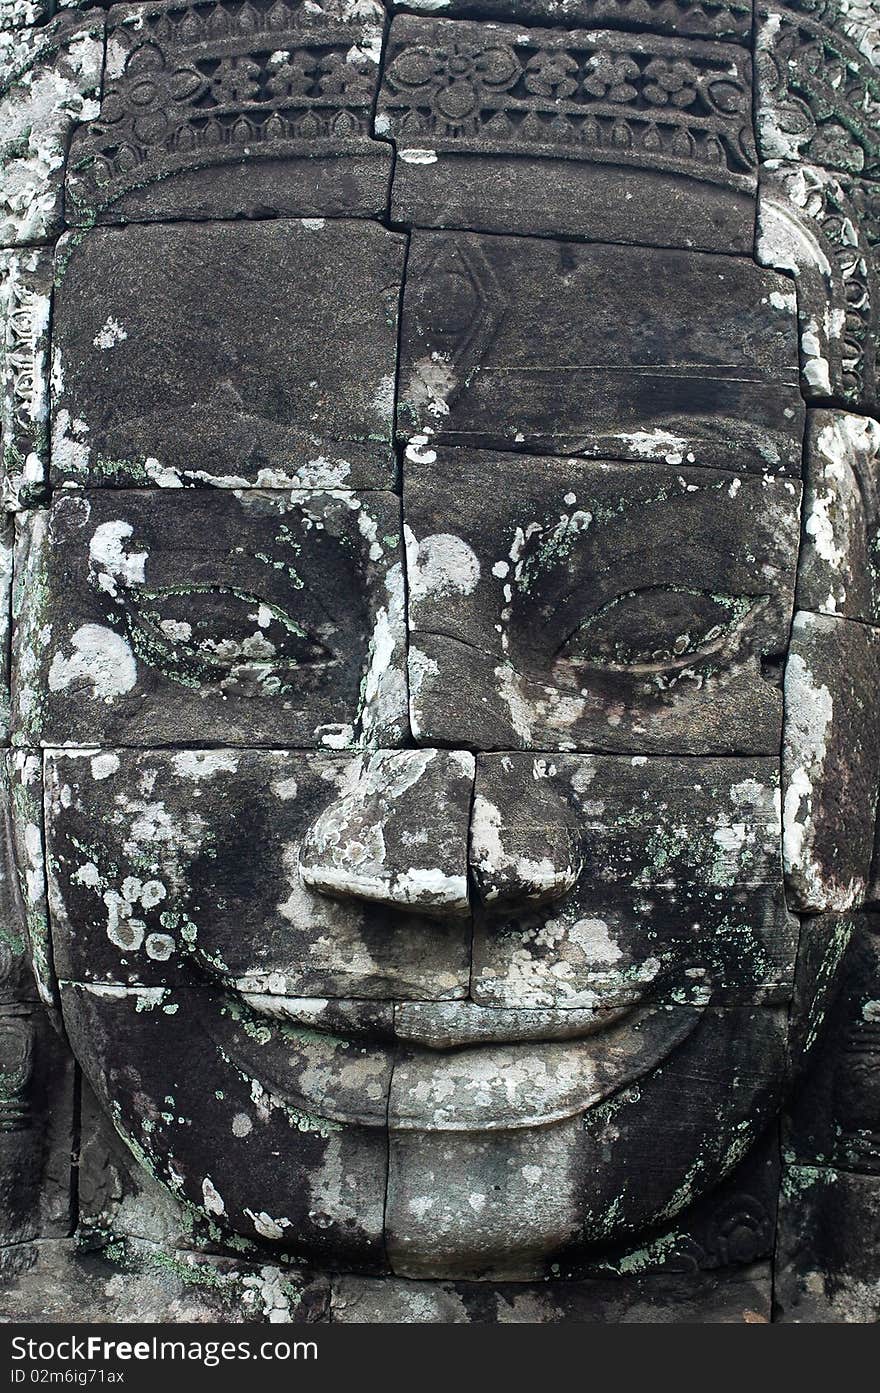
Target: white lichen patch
[(440, 566), (110, 334), (111, 559), (383, 399), (104, 765), (432, 383), (46, 91), (211, 1198), (383, 704), (71, 452), (101, 664), (266, 1226), (808, 730), (204, 764), (272, 1293)]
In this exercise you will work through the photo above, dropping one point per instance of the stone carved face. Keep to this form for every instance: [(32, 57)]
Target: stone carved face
[(428, 837)]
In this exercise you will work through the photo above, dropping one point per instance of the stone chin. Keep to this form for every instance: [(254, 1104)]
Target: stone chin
[(494, 1159)]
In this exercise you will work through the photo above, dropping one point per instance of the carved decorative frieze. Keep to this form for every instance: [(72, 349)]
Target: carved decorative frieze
[(49, 81), (25, 300), (817, 86), (818, 228), (574, 108), (251, 106)]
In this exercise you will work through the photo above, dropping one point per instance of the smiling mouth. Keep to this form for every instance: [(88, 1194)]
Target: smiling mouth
[(437, 1025), (443, 1066)]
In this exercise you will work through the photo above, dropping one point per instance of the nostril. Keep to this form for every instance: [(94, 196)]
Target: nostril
[(398, 836), (524, 854)]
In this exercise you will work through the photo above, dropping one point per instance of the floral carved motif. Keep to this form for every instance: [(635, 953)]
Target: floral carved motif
[(454, 86), (189, 87), (818, 94)]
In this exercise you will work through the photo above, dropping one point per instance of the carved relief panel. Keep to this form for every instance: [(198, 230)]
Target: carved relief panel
[(444, 709)]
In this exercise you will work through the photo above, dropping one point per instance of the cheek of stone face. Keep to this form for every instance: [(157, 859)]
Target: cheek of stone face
[(673, 882), (169, 868), (234, 1118)]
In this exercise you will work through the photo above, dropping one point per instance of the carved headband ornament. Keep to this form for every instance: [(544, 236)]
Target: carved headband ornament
[(191, 85)]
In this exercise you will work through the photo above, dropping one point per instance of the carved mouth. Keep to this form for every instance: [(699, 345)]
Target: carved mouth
[(431, 1069), (438, 1025)]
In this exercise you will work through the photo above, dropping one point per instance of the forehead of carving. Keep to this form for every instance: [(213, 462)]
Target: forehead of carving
[(234, 354), (520, 343)]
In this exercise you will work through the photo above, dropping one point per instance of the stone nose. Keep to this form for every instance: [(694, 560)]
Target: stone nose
[(410, 832), (399, 834), (524, 852)]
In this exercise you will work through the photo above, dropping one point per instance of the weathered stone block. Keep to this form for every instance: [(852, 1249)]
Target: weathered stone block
[(210, 355), (7, 540), (22, 795), (292, 1113), (839, 569), (833, 1118), (168, 867), (827, 1267), (514, 1202), (117, 1198), (218, 111), (244, 618), (560, 604), (616, 352), (50, 78), (831, 761), (671, 883), (135, 1282), (824, 942), (726, 1299), (25, 298), (810, 225), (36, 1124), (721, 19), (505, 130)]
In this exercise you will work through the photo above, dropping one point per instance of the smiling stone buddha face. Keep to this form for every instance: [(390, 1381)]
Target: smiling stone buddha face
[(401, 656)]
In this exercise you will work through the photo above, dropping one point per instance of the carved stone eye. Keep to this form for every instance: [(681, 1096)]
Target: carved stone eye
[(655, 628), (214, 631)]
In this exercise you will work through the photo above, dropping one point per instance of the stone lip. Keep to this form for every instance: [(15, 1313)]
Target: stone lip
[(445, 1077), (437, 1025), (446, 1026)]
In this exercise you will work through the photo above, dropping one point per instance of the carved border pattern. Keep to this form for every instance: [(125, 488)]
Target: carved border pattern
[(808, 225), (818, 95), (199, 85), (24, 407), (665, 103)]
